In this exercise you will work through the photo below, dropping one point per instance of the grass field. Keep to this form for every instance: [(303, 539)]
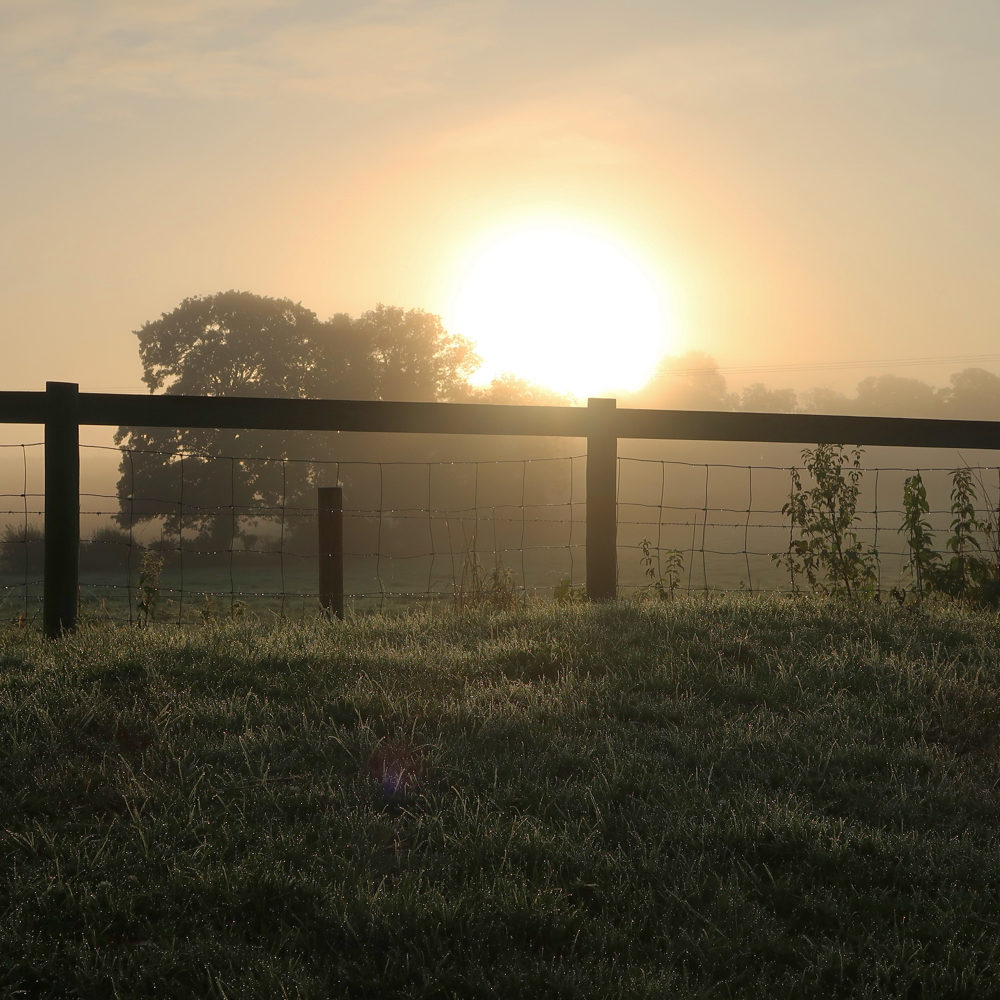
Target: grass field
[(259, 585), (717, 797)]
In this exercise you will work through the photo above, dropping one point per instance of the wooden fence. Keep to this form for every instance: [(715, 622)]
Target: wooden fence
[(62, 408)]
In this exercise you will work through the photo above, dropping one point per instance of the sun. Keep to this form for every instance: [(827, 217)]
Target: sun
[(561, 305)]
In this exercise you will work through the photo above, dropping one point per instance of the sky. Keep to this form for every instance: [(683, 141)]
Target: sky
[(808, 184)]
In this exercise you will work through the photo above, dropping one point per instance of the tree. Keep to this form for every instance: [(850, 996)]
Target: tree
[(823, 399), (896, 396), (510, 389), (757, 398), (229, 344), (691, 381), (973, 394), (233, 344), (409, 355), (237, 343)]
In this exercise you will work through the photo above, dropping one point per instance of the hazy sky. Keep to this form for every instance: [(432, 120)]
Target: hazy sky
[(814, 182)]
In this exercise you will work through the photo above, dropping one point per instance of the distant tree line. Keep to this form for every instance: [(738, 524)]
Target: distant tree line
[(693, 381)]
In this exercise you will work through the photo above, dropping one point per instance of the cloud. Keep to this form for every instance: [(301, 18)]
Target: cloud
[(820, 50), (232, 49), (568, 128)]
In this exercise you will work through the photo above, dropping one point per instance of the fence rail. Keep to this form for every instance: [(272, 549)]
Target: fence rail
[(259, 413), (63, 409)]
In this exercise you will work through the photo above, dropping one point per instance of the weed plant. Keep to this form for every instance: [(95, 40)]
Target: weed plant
[(480, 586), (718, 797), (662, 568)]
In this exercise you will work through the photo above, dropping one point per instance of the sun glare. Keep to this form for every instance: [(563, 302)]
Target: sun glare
[(561, 306)]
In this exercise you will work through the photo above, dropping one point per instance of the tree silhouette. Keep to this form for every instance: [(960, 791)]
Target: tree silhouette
[(241, 344), (757, 398), (973, 394), (823, 399), (409, 356), (691, 381), (896, 396)]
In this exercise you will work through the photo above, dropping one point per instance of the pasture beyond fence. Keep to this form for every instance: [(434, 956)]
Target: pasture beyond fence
[(62, 409)]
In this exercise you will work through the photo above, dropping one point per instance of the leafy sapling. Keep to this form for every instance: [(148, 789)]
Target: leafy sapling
[(824, 545), (961, 571), (924, 562)]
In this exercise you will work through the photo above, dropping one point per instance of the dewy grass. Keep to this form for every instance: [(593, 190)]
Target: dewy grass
[(728, 797)]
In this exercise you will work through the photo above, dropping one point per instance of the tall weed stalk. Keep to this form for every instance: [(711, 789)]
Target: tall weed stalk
[(663, 569), (481, 586)]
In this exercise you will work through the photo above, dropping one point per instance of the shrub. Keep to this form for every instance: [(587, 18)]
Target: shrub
[(108, 549), (22, 550)]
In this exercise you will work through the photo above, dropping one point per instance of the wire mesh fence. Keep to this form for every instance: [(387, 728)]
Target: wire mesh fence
[(201, 535), (729, 525), (21, 510), (186, 536), (725, 521)]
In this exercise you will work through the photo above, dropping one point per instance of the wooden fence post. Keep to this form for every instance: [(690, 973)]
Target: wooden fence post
[(331, 549), (602, 501), (62, 507)]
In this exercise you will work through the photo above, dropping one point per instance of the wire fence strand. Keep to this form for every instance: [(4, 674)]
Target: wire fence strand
[(242, 530)]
